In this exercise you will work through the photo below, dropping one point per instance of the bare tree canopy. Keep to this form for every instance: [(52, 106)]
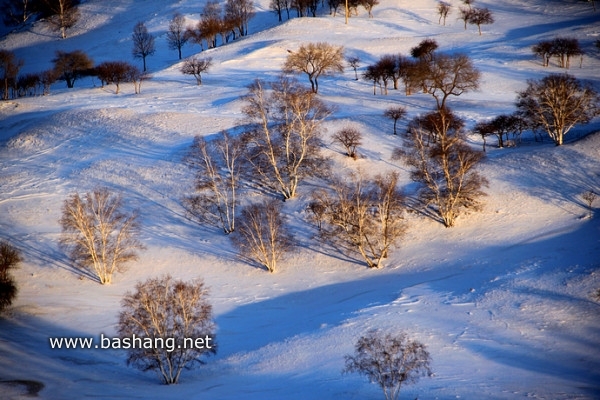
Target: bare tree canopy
[(143, 43), (425, 50), (196, 66), (363, 215), (70, 66), (350, 138), (445, 165), (284, 142), (395, 113), (480, 16), (97, 234), (449, 75), (262, 235), (218, 169), (172, 320), (354, 63), (389, 361), (176, 36), (558, 102), (315, 60)]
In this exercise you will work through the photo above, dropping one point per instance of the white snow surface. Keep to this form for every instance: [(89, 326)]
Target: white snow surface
[(504, 301)]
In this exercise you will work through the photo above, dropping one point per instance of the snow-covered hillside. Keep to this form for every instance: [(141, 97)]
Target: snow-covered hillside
[(504, 300)]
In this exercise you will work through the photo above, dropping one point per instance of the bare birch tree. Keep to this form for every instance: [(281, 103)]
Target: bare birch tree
[(64, 15), (389, 361), (218, 168), (262, 235), (97, 234), (363, 214), (283, 144), (172, 320)]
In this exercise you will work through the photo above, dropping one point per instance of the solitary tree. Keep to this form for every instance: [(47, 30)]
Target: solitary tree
[(70, 66), (395, 113), (354, 63), (283, 142), (389, 361), (196, 66), (449, 75), (589, 197), (363, 214), (143, 42), (315, 60), (172, 320), (480, 16), (10, 257), (350, 138), (97, 234), (217, 165), (443, 9), (262, 235), (9, 69), (444, 164), (64, 15), (558, 102), (176, 36)]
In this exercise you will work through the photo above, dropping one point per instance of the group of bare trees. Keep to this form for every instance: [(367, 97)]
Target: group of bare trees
[(553, 104), (469, 15), (305, 8), (561, 47), (435, 146), (556, 103), (228, 22)]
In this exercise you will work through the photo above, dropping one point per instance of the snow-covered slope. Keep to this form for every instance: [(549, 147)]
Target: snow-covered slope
[(503, 300)]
